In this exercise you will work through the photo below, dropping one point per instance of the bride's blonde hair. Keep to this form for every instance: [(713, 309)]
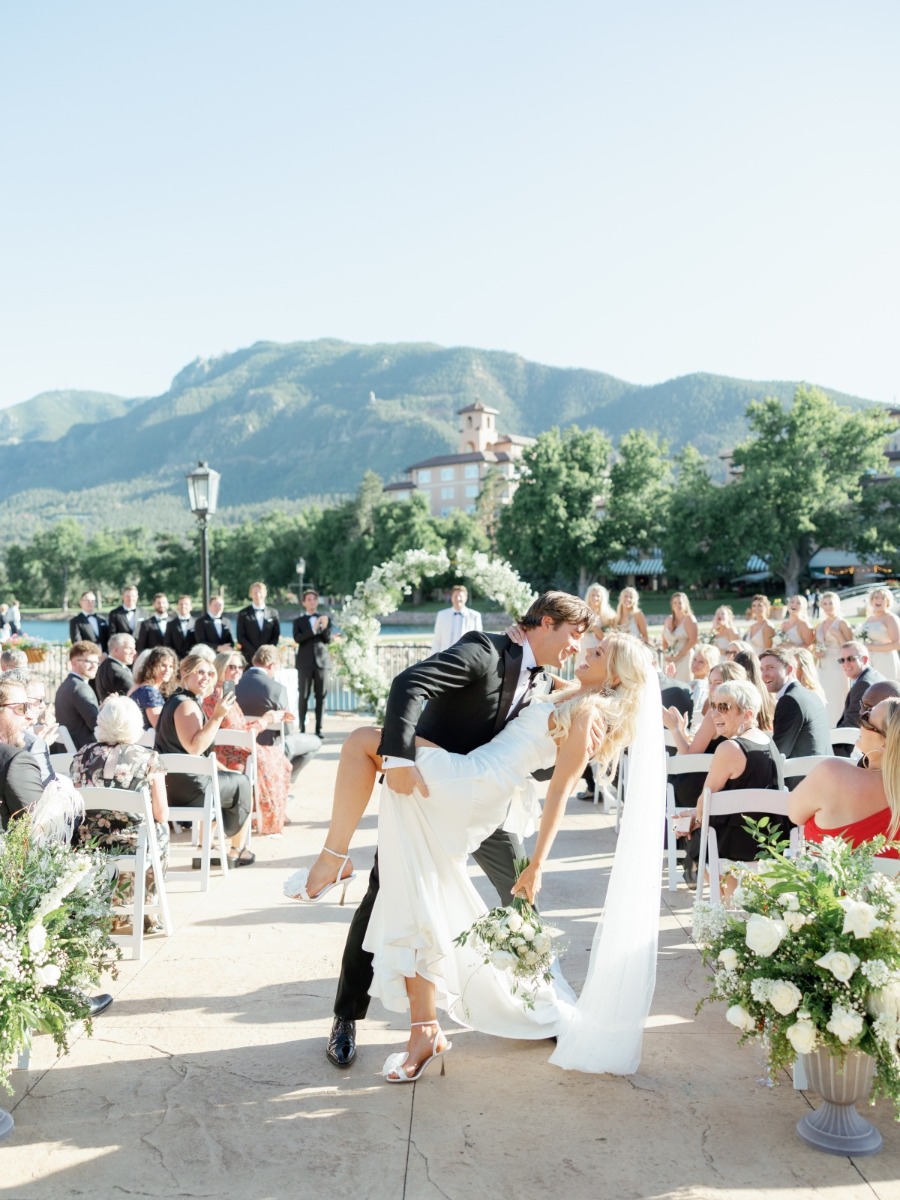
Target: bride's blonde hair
[(628, 660)]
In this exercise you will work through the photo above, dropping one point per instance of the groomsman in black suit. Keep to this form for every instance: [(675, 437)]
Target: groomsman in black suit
[(87, 625), (213, 628), (257, 624), (800, 726), (180, 629), (312, 633), (126, 617), (75, 702), (152, 632)]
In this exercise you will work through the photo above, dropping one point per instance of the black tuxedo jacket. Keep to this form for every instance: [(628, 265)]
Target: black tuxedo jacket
[(249, 634), (205, 632), (76, 708), (181, 643), (850, 715), (118, 620), (81, 630), (801, 723), (468, 689), (258, 693), (149, 635), (312, 648), (113, 677)]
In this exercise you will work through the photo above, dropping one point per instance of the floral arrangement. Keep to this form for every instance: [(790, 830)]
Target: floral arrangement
[(863, 635), (383, 593), (810, 957), (55, 920), (18, 642), (515, 940)]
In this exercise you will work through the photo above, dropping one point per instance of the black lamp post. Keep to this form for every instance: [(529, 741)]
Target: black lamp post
[(203, 493), (301, 571)]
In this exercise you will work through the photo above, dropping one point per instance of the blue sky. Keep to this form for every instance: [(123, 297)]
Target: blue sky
[(646, 188)]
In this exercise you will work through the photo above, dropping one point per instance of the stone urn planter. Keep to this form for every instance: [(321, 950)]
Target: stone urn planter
[(842, 1081)]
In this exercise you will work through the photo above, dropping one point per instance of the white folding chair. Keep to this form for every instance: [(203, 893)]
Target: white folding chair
[(65, 738), (843, 737), (799, 768), (148, 738), (102, 799), (207, 813), (724, 804), (680, 764), (602, 790), (244, 739), (61, 764)]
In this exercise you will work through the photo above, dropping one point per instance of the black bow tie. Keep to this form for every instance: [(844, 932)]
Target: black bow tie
[(129, 611), (533, 673)]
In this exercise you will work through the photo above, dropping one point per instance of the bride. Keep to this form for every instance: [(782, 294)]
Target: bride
[(426, 898)]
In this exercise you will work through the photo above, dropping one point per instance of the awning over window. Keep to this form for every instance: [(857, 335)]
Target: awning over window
[(637, 566)]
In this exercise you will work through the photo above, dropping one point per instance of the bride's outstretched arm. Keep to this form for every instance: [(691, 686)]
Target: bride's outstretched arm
[(570, 763)]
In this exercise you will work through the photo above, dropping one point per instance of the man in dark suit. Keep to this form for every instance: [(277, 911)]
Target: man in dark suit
[(801, 721), (75, 702), (312, 633), (20, 775), (257, 624), (114, 673), (472, 690), (855, 661), (87, 625), (180, 629), (153, 629), (126, 617), (213, 628), (259, 692)]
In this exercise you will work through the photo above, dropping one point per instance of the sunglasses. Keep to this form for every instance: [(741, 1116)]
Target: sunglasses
[(721, 706), (865, 723), (849, 658)]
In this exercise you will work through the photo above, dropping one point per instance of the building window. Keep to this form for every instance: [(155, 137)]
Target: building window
[(471, 489), (448, 472), (445, 512), (471, 471), (424, 477), (447, 493)]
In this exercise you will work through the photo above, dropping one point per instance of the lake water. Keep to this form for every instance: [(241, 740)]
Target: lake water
[(58, 631)]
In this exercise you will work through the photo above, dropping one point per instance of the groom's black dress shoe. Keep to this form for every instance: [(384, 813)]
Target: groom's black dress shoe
[(99, 1004), (341, 1048)]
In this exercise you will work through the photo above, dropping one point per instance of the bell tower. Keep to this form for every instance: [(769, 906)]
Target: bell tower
[(477, 428)]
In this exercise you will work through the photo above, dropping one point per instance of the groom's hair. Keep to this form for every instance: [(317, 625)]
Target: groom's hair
[(559, 606)]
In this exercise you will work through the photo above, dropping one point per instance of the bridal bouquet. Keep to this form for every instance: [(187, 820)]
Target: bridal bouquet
[(515, 940), (55, 919), (810, 957)]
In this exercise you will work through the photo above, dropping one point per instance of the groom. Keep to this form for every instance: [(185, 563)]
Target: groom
[(471, 691)]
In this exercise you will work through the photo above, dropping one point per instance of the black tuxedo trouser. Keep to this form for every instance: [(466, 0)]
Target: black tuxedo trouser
[(311, 679), (496, 856)]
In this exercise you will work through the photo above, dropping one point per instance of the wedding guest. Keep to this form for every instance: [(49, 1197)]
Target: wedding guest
[(180, 628), (831, 634), (838, 800), (75, 701), (881, 632), (807, 675), (796, 629), (87, 625), (860, 674), (260, 693), (724, 628), (451, 623), (257, 624), (183, 728), (154, 680), (115, 759), (14, 616), (152, 632), (39, 735), (12, 659), (704, 740), (21, 786), (126, 617), (114, 673), (761, 633), (213, 628), (629, 617), (5, 627), (679, 636), (801, 723), (747, 659), (312, 633), (704, 658), (273, 771)]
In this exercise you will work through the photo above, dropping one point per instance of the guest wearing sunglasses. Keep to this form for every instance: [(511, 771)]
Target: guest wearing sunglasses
[(854, 661), (837, 800), (20, 777)]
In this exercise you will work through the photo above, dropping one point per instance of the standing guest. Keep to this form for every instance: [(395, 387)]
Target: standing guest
[(75, 702), (704, 658), (20, 777), (860, 674), (679, 637), (257, 624), (312, 633), (155, 679), (87, 625), (629, 618), (881, 631), (796, 630), (259, 692), (273, 771), (126, 617), (152, 632), (761, 633), (114, 674), (724, 628), (5, 628), (451, 623), (814, 603), (213, 628), (831, 634), (801, 723), (14, 616), (180, 628)]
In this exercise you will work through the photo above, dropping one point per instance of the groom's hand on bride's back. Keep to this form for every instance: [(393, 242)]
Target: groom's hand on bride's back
[(405, 780)]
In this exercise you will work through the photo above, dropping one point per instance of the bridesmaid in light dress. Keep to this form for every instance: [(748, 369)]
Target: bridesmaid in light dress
[(797, 630), (761, 633), (605, 618), (883, 633), (679, 637), (629, 618), (831, 633), (724, 628)]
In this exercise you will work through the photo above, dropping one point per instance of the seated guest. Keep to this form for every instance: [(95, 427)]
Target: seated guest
[(75, 701), (259, 692), (21, 786), (272, 767), (126, 617), (746, 758), (213, 629), (183, 728), (116, 760), (801, 722), (807, 673), (87, 625), (257, 624), (114, 673), (153, 629), (705, 740), (854, 660), (154, 680), (704, 658), (746, 658), (884, 689), (180, 628), (836, 799), (39, 735), (12, 660)]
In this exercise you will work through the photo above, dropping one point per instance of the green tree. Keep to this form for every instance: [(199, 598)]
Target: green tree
[(489, 505), (639, 490), (698, 542)]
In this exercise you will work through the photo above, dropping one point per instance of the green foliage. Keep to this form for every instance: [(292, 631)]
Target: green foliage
[(638, 507)]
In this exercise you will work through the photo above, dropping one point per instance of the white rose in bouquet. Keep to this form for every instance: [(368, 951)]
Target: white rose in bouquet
[(47, 976), (738, 1015), (542, 943), (513, 921), (860, 919), (790, 901), (794, 921), (37, 938), (729, 958), (802, 1036), (503, 960), (764, 935), (841, 965), (527, 932), (784, 996), (845, 1023)]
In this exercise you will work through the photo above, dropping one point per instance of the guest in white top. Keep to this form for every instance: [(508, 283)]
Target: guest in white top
[(451, 623)]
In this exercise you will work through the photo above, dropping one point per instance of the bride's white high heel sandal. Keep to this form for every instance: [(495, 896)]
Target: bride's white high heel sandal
[(395, 1063), (295, 885)]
